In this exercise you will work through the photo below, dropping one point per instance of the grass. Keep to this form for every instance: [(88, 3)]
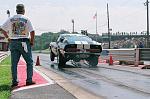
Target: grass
[(5, 78)]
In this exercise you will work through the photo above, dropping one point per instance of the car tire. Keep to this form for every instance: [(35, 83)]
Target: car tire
[(93, 61), (52, 56), (61, 61)]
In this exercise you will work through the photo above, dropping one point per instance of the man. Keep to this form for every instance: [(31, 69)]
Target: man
[(17, 30)]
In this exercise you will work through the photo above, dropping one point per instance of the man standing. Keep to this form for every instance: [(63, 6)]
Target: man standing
[(20, 34)]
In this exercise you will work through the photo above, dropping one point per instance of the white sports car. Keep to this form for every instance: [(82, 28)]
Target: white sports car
[(75, 47)]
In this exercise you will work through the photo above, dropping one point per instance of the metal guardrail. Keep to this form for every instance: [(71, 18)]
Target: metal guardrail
[(144, 54), (135, 55), (123, 54), (119, 54)]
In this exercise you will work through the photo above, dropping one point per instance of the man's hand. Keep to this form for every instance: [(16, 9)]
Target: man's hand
[(32, 38), (31, 42), (9, 40)]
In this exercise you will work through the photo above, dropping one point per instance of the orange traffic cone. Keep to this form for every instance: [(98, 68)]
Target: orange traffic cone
[(110, 60), (38, 61)]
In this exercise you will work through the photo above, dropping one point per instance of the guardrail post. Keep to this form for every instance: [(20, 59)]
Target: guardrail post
[(137, 53)]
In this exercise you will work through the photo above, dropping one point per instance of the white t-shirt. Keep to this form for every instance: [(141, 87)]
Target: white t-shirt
[(18, 26)]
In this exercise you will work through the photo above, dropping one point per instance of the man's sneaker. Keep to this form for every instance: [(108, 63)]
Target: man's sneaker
[(14, 85), (30, 83)]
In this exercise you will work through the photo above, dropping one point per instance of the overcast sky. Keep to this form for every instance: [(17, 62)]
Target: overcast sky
[(54, 15)]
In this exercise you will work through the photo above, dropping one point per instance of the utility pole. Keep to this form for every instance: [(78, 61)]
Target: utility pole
[(73, 26), (147, 41), (96, 22), (96, 27), (95, 17), (109, 38)]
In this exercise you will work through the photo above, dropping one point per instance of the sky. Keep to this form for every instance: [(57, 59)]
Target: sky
[(56, 15)]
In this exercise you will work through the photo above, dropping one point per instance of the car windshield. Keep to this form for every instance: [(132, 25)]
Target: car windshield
[(78, 38)]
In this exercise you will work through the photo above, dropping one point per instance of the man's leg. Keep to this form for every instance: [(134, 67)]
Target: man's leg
[(15, 56), (28, 58)]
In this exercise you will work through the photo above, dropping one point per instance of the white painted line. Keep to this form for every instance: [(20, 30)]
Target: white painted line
[(21, 58), (44, 76), (29, 87)]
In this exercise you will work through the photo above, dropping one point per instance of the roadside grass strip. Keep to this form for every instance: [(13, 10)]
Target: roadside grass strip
[(5, 78)]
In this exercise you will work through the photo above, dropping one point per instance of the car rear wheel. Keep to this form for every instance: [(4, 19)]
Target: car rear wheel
[(52, 56), (61, 61), (93, 61)]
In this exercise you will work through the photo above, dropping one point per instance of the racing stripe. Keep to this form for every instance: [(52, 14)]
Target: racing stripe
[(84, 42), (78, 42)]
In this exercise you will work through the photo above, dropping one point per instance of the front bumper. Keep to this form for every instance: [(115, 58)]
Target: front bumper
[(79, 55)]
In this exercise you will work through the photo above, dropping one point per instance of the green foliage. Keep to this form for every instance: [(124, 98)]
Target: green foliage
[(5, 78), (42, 41)]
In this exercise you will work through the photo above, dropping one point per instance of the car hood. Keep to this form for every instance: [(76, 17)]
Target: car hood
[(84, 42)]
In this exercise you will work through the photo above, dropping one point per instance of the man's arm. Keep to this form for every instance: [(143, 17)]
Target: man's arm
[(32, 34)]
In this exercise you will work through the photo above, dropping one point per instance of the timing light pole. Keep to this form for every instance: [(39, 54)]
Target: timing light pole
[(147, 5)]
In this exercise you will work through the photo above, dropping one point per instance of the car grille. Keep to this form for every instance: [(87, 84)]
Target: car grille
[(83, 48)]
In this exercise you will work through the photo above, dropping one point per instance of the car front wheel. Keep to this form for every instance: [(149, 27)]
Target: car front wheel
[(93, 61), (52, 56), (61, 61)]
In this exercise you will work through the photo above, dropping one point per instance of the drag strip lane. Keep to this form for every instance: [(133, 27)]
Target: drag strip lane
[(105, 82), (88, 73)]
